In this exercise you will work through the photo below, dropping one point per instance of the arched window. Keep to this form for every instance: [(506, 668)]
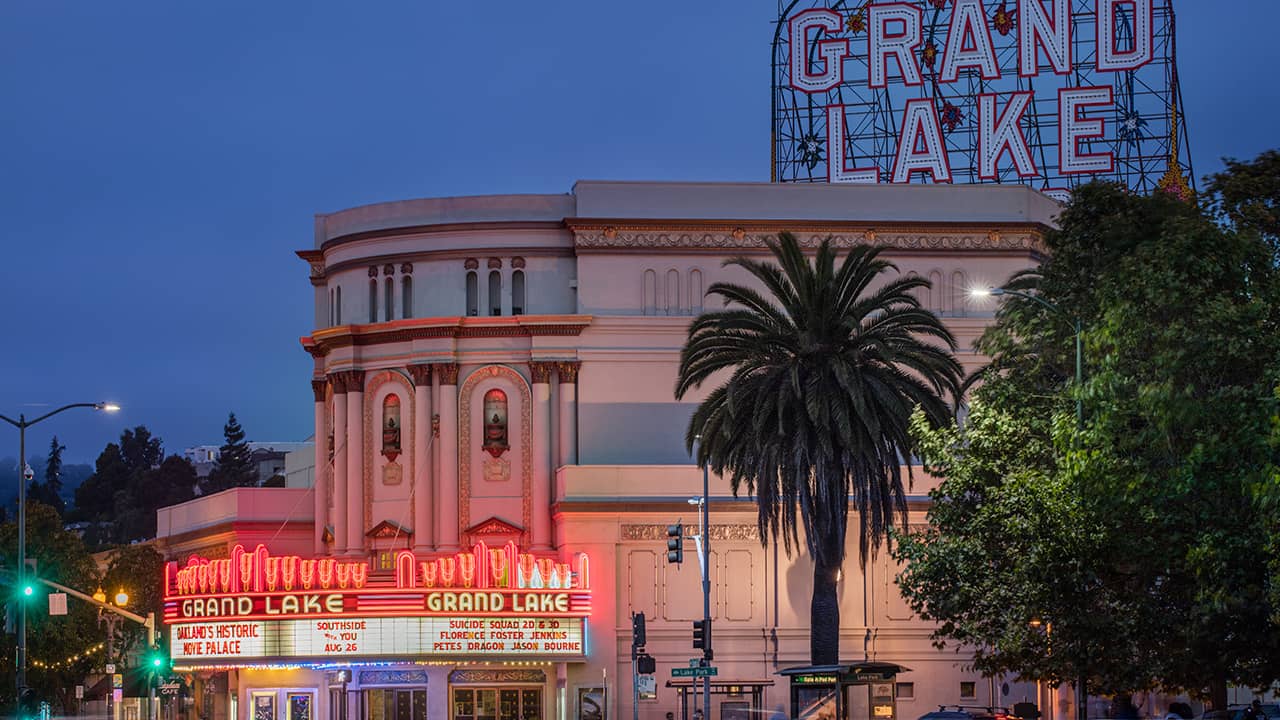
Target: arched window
[(959, 294), (695, 291), (517, 292), (495, 292), (337, 308), (473, 293), (373, 300), (935, 292), (673, 292), (650, 293), (391, 426), (495, 422), (389, 300), (406, 297)]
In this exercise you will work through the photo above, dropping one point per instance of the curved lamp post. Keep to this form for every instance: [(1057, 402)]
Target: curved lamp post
[(112, 621), (25, 473)]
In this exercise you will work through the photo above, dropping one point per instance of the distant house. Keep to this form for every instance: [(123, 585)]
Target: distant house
[(268, 457)]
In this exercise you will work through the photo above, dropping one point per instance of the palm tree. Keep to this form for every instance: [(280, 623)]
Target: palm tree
[(824, 374)]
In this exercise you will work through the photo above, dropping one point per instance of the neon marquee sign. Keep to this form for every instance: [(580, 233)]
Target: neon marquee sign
[(492, 602), (1048, 93)]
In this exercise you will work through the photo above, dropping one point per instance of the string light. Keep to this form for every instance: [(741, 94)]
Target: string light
[(83, 654)]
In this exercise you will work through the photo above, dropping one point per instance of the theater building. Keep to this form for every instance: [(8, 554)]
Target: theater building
[(499, 454)]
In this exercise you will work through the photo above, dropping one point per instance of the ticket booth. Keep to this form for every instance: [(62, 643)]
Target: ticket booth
[(857, 691)]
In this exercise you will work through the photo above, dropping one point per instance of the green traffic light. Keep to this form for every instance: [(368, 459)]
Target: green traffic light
[(156, 662), (28, 590)]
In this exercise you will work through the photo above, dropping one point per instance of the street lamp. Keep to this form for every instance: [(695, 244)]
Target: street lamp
[(112, 621), (1076, 326), (1082, 695), (25, 473)]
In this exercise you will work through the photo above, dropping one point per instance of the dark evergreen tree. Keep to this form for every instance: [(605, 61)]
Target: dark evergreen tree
[(234, 467), (50, 491)]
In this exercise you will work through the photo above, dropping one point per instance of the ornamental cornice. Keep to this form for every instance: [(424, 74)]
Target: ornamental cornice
[(540, 371), (319, 388), (325, 340), (719, 235), (315, 260), (421, 374), (568, 370), (717, 532)]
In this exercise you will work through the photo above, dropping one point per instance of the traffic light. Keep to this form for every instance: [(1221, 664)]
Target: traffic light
[(702, 636), (646, 664), (675, 543), (158, 662), (637, 630)]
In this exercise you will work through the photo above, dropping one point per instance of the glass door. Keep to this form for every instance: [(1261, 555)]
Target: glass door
[(497, 704)]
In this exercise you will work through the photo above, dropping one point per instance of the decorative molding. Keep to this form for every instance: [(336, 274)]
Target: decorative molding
[(319, 388), (373, 271), (568, 370), (349, 380), (495, 263), (393, 677), (373, 440), (315, 260), (723, 236), (490, 372), (517, 263), (388, 269), (421, 374), (470, 264), (718, 532), (540, 372), (388, 529), (448, 373), (406, 268), (498, 676), (323, 341)]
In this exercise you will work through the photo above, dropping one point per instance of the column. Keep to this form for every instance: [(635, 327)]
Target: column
[(320, 473), (540, 436), (423, 485), (339, 464), (568, 410), (355, 462), (447, 477)]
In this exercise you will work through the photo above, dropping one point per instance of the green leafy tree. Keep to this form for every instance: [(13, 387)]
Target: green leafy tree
[(1247, 195), (823, 374), (138, 570), (1140, 539), (234, 467), (61, 649)]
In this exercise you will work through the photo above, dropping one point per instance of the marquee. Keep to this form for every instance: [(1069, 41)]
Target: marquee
[(1047, 93), (255, 608)]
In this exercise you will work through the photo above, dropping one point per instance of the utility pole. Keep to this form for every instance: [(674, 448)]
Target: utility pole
[(704, 556)]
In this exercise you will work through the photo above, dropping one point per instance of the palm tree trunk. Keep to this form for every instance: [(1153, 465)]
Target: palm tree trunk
[(824, 616)]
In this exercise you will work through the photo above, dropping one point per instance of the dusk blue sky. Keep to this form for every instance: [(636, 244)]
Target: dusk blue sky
[(160, 161)]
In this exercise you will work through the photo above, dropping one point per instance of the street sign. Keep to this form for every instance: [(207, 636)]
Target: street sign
[(111, 668), (57, 603), (695, 672)]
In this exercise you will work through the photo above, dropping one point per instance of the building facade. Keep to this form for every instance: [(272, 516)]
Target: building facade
[(497, 442)]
